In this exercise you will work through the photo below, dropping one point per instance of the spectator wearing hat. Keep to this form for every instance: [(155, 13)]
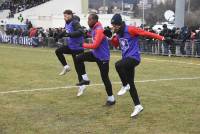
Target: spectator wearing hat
[(167, 33)]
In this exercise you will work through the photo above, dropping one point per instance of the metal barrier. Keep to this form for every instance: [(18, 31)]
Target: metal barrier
[(173, 48), (51, 42), (148, 46)]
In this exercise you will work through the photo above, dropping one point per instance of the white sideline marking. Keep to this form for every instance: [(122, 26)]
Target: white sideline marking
[(157, 60), (68, 87), (172, 61)]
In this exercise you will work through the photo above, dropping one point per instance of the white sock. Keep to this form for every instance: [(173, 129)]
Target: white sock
[(138, 105), (85, 77), (111, 98), (82, 87), (66, 66), (127, 86)]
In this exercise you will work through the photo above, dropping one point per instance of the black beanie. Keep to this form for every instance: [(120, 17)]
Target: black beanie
[(116, 19)]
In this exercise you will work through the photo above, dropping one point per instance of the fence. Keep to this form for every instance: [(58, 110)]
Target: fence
[(148, 46), (172, 48)]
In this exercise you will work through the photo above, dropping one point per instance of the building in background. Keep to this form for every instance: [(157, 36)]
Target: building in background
[(157, 2)]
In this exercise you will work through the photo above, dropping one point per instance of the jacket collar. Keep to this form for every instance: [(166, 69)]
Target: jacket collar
[(96, 25)]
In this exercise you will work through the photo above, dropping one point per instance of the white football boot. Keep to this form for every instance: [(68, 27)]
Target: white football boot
[(123, 90), (65, 70), (80, 90), (137, 110)]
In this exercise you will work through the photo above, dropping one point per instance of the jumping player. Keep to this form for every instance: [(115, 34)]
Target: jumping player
[(74, 34), (127, 38), (100, 54)]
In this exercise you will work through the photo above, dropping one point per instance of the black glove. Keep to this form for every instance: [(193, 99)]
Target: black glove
[(64, 34), (61, 35), (107, 32), (85, 34), (67, 35)]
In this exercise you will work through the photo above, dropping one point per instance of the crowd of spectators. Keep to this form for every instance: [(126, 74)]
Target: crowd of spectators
[(180, 41), (39, 35), (16, 6)]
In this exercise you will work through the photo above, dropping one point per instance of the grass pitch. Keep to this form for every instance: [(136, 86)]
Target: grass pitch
[(169, 90)]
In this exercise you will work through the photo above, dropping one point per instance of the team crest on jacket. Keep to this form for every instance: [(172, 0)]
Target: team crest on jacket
[(124, 44)]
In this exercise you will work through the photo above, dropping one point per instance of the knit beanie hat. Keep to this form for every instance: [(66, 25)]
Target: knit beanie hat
[(116, 19)]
